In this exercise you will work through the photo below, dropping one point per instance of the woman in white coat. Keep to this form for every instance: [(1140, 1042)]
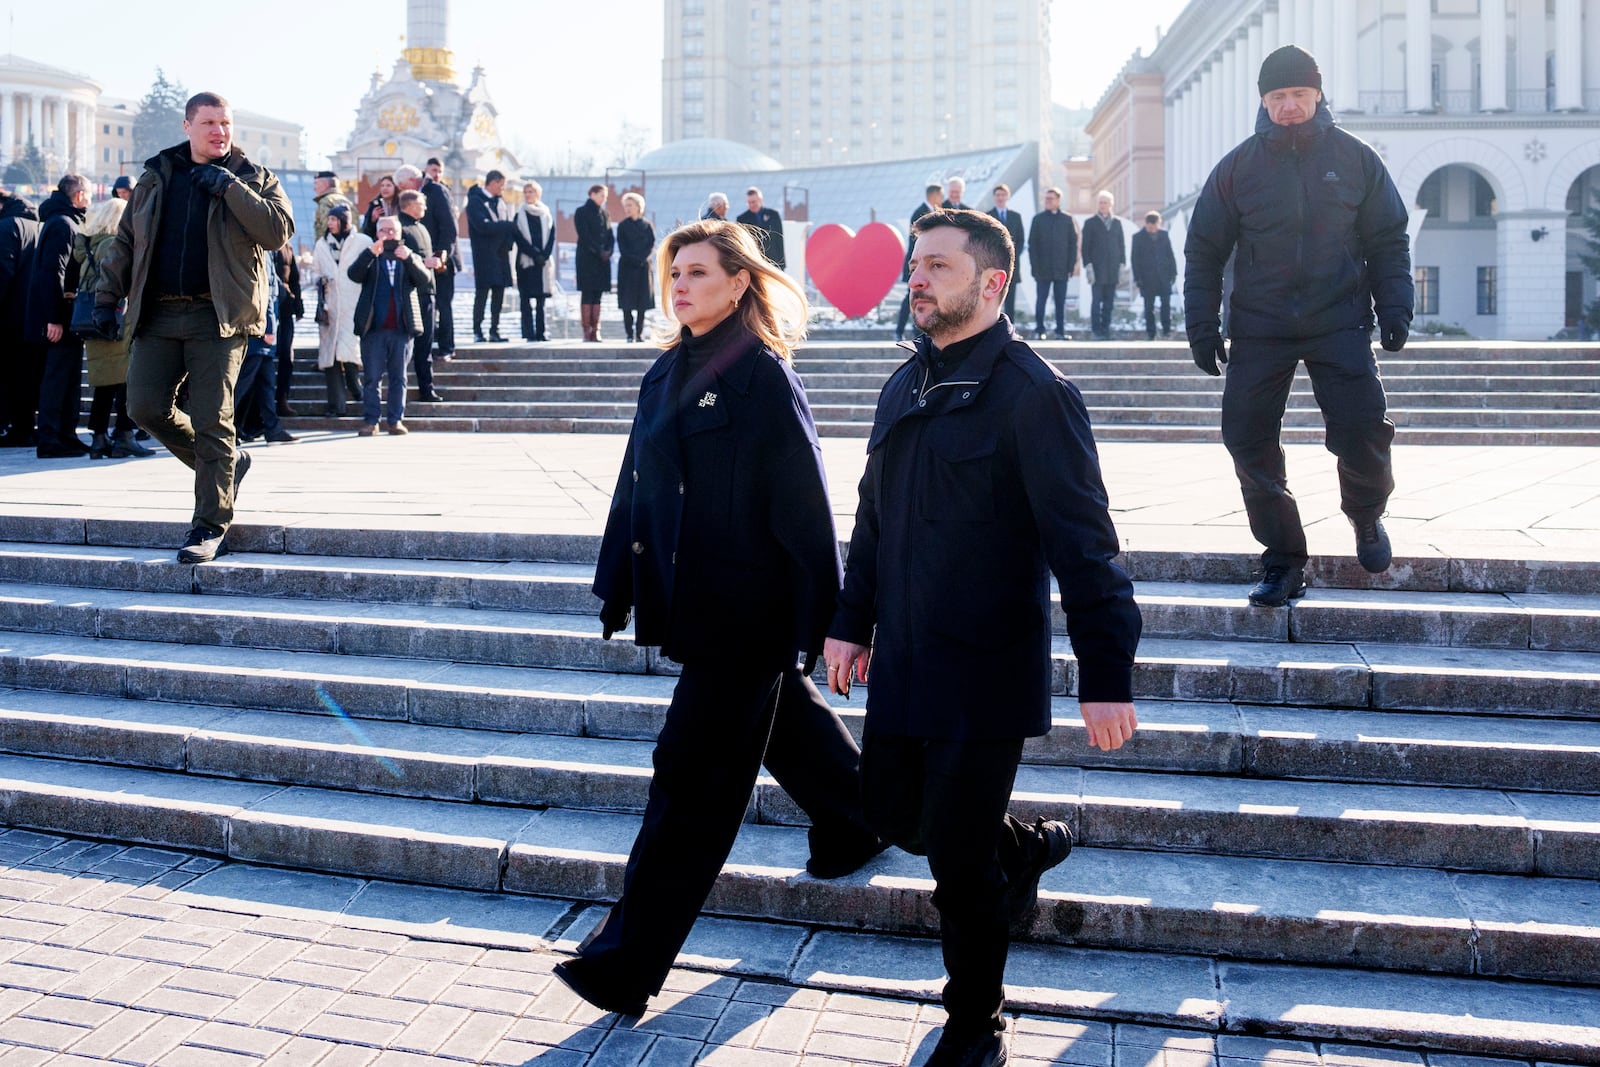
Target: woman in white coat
[(338, 351)]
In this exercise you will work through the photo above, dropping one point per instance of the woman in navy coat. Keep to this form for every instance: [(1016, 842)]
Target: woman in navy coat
[(721, 542)]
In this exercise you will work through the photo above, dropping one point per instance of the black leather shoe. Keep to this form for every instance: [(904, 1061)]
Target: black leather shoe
[(495, 338), (571, 974), (203, 545), (1053, 846), (1279, 584), (433, 396), (848, 860), (478, 337), (983, 1050), (1372, 545)]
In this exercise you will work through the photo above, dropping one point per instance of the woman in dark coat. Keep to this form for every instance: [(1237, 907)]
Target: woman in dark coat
[(721, 538), (636, 240), (593, 265), (536, 265), (387, 202)]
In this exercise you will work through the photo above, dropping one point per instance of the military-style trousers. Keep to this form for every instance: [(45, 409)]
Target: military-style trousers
[(1344, 378), (723, 723)]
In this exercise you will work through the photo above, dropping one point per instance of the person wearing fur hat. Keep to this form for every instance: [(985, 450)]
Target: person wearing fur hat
[(1322, 256)]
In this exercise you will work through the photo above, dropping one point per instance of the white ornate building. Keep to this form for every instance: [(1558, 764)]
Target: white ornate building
[(1487, 113), (51, 107), (421, 111)]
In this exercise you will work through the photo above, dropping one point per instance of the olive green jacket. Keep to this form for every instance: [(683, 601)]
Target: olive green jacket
[(253, 214)]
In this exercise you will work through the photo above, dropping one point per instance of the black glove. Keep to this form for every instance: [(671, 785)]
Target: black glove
[(1395, 333), (613, 617), (213, 179), (106, 324), (1210, 353)]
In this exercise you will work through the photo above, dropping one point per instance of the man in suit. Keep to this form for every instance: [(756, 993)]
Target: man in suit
[(1104, 253), (971, 493), (440, 219), (1053, 259), (1155, 268), (955, 188), (1013, 224), (766, 224), (933, 196)]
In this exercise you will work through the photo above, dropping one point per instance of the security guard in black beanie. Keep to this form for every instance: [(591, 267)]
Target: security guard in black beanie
[(1320, 234)]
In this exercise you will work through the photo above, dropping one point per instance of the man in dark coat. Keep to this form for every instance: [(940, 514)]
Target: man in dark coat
[(388, 316), (593, 257), (1053, 259), (1321, 234), (187, 258), (933, 196), (52, 286), (1104, 253), (766, 224), (1154, 268), (492, 233), (440, 219), (1012, 221), (957, 188), (19, 366), (982, 478), (414, 232)]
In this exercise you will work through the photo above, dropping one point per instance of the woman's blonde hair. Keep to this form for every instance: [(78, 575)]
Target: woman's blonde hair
[(773, 308), (634, 198), (104, 217)]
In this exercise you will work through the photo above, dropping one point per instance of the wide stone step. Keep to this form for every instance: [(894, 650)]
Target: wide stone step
[(1555, 622), (1214, 738), (1343, 914), (1464, 829), (1219, 1001)]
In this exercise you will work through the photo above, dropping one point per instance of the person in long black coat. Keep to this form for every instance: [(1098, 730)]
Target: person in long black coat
[(536, 272), (1105, 251), (19, 367), (48, 319), (1154, 269), (767, 224), (1012, 221), (721, 540), (492, 234), (636, 240), (593, 263), (440, 220)]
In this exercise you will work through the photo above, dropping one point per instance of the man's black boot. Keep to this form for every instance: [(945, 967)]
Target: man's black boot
[(1279, 584), (1052, 845), (203, 545), (982, 1050), (1372, 545), (572, 975)]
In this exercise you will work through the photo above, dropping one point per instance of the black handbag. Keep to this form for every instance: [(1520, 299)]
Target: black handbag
[(82, 322)]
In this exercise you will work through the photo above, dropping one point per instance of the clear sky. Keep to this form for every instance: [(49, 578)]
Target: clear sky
[(565, 75)]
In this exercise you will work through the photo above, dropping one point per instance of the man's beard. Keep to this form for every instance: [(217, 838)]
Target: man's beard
[(946, 318)]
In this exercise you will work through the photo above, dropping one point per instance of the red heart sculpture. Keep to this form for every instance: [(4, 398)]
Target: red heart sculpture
[(854, 271)]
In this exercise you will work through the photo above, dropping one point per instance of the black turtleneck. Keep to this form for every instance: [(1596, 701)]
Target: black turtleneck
[(942, 362), (720, 345)]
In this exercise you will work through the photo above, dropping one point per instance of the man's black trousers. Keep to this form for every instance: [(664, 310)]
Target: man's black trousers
[(723, 723), (1150, 299), (947, 800), (422, 347), (61, 391), (494, 296), (1042, 287), (444, 292), (1102, 299), (1344, 378)]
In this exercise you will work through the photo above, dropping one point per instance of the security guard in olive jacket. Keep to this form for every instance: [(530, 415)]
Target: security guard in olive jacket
[(187, 258), (982, 480), (721, 539), (1318, 235)]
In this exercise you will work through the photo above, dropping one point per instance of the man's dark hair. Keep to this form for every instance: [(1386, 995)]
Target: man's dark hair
[(752, 191), (493, 176), (1003, 188), (200, 100), (987, 241), (595, 189), (935, 187), (70, 184), (433, 161), (409, 196)]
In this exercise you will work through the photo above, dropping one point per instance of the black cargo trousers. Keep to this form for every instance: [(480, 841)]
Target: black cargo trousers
[(1348, 389)]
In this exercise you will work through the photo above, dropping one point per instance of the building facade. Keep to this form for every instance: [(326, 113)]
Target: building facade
[(49, 108), (276, 143), (1487, 113), (857, 81), (1128, 136)]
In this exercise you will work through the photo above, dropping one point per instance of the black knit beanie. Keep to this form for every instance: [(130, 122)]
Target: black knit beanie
[(1289, 67)]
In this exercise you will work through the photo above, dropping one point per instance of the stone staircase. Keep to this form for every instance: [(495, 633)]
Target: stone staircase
[(1439, 392), (1372, 816)]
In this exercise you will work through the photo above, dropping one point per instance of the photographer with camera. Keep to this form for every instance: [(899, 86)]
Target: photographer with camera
[(394, 285)]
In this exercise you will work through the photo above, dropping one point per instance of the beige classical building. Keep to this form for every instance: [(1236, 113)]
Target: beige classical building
[(49, 107), (1486, 112), (1128, 137), (856, 81)]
